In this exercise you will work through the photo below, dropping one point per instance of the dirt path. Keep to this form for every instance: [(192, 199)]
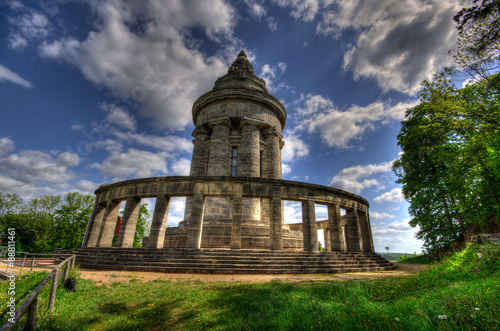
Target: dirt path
[(108, 276)]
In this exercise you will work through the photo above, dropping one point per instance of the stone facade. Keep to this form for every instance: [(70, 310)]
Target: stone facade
[(237, 134), (235, 192)]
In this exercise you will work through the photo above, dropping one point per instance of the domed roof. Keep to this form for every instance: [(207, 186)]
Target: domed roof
[(241, 75)]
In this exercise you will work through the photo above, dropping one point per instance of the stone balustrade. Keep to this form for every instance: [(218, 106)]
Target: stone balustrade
[(349, 233)]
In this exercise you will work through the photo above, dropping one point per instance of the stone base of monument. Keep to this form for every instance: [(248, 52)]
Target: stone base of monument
[(225, 261), (217, 234)]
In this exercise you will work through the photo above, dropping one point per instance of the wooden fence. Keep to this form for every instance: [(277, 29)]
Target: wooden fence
[(30, 303)]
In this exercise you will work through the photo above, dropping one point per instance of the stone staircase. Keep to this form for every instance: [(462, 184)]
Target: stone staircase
[(225, 261)]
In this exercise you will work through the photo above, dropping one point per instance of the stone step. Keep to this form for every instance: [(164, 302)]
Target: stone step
[(222, 263), (227, 261)]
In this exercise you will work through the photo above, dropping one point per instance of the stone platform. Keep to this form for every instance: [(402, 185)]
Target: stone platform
[(225, 261)]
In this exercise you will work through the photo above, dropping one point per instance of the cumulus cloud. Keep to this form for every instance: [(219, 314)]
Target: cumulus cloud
[(400, 44), (133, 164), (285, 169), (119, 117), (394, 195), (28, 172), (378, 216), (10, 76), (143, 53), (352, 179), (181, 167), (338, 128), (6, 146), (294, 149)]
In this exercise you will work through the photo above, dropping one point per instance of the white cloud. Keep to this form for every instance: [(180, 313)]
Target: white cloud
[(176, 210), (86, 186), (181, 167), (68, 159), (394, 195), (31, 26), (305, 10), (285, 169), (401, 42), (271, 73), (10, 76), (143, 53), (119, 117), (292, 212), (28, 172), (337, 128), (133, 164), (6, 146), (399, 236), (256, 8), (350, 179), (378, 216), (169, 144), (294, 148)]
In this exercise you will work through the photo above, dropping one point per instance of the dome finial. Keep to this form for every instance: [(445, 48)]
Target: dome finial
[(242, 53)]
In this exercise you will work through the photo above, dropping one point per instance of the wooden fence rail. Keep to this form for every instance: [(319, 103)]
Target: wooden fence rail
[(30, 303)]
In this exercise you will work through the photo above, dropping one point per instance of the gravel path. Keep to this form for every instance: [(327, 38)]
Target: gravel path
[(109, 276)]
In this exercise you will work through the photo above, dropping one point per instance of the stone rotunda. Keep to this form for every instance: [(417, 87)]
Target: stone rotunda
[(234, 200)]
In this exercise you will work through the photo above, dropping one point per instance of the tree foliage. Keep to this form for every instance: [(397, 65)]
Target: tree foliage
[(480, 23), (449, 167)]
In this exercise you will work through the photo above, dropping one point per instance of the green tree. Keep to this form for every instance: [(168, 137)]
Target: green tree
[(49, 221), (449, 168), (71, 220), (9, 203), (143, 225)]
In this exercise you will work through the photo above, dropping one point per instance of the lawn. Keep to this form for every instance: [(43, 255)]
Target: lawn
[(459, 293)]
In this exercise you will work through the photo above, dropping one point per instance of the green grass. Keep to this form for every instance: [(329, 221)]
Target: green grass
[(465, 288)]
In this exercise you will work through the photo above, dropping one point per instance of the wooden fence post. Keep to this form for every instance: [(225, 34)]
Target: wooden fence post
[(24, 260), (53, 290), (66, 271), (32, 263), (31, 315)]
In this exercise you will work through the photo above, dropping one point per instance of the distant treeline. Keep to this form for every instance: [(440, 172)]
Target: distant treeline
[(396, 256)]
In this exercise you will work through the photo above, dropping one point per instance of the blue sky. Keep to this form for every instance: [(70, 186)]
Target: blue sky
[(95, 92)]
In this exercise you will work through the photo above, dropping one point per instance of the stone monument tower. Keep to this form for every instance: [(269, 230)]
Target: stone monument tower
[(238, 133)]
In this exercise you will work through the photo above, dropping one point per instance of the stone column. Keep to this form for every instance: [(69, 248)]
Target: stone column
[(198, 161), (108, 227), (95, 224), (309, 228), (364, 226), (326, 238), (275, 225), (248, 163), (272, 154), (195, 226), (159, 223), (129, 223), (336, 230), (220, 149), (354, 241), (236, 222)]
